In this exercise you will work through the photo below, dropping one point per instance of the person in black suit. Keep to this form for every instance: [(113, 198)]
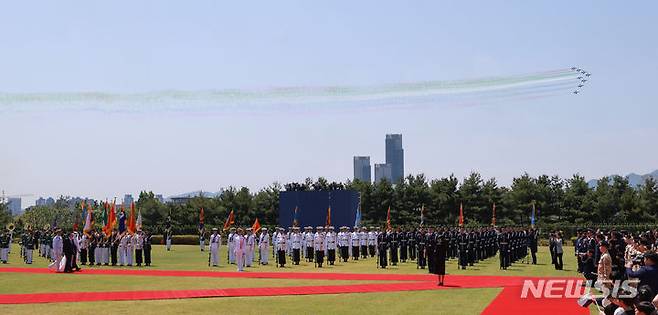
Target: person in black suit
[(69, 249)]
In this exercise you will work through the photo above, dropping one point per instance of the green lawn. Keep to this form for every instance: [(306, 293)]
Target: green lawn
[(453, 301)]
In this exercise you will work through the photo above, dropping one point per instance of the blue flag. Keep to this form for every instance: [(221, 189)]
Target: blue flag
[(357, 220), (295, 220), (532, 218), (122, 221)]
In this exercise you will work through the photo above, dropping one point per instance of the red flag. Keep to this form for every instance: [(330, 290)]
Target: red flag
[(201, 217), (132, 227), (256, 226), (229, 221), (111, 219), (493, 216), (388, 218), (461, 215), (329, 216)]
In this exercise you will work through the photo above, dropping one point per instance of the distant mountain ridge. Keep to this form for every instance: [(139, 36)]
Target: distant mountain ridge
[(634, 180)]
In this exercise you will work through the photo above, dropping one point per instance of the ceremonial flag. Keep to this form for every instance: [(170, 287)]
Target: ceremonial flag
[(201, 219), (532, 217), (388, 218), (105, 218), (88, 222), (422, 215), (295, 220), (493, 215), (256, 226), (139, 220), (357, 219), (122, 220), (112, 220), (329, 216), (461, 215), (132, 228), (229, 221)]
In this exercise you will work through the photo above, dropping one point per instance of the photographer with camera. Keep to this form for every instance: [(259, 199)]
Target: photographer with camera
[(647, 273)]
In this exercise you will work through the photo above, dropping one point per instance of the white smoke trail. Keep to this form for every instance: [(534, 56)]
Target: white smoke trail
[(405, 95)]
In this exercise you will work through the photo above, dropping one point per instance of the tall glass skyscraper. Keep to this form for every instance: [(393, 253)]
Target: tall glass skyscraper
[(362, 168), (395, 156)]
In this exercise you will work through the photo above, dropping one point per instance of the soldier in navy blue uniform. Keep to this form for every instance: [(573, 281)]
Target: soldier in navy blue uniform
[(411, 243), (393, 245), (463, 249), (421, 246), (402, 235), (382, 247)]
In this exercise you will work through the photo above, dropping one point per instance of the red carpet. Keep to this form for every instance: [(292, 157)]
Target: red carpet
[(507, 302)]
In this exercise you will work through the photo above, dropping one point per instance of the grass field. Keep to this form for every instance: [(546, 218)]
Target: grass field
[(453, 301)]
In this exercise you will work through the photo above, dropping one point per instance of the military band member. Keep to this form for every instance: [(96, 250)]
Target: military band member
[(382, 248), (264, 246), (354, 239), (330, 241), (168, 233), (372, 242), (281, 245), (29, 246), (251, 247), (296, 245), (319, 246), (202, 238), (4, 246), (215, 242)]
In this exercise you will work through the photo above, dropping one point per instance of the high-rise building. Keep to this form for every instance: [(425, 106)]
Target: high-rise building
[(362, 168), (127, 200), (395, 156), (160, 198), (40, 202), (14, 205), (382, 171)]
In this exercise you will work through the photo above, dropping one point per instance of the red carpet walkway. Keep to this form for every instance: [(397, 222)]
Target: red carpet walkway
[(507, 302)]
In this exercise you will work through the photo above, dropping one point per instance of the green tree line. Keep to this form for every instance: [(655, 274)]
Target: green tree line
[(556, 200)]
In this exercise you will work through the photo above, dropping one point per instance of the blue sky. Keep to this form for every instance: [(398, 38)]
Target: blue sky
[(128, 46)]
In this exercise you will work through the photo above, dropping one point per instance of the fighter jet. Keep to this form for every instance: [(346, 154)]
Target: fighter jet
[(579, 78), (575, 92), (583, 72), (583, 81), (588, 74), (573, 68), (580, 85)]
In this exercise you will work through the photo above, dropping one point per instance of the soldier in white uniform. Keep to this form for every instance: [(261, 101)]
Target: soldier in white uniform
[(343, 243), (281, 245), (239, 248), (355, 244), (130, 244), (330, 241), (296, 245), (231, 244), (251, 247), (308, 243), (320, 246), (123, 243), (372, 242), (264, 246), (363, 242), (215, 242), (58, 249)]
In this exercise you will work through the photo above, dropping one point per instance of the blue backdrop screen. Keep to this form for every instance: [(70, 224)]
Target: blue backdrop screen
[(312, 207)]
